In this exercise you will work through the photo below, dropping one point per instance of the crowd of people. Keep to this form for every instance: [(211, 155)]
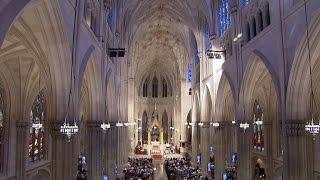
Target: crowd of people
[(181, 168), (139, 168)]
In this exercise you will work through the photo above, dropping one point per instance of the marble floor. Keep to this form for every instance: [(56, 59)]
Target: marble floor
[(160, 173)]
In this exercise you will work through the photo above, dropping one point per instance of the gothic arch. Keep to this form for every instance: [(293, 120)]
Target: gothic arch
[(144, 125), (257, 84), (298, 91), (88, 81), (225, 102), (26, 47), (207, 105), (165, 126)]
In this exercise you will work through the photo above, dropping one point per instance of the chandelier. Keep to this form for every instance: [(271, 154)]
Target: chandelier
[(215, 124), (119, 124), (105, 126), (312, 128), (244, 125), (68, 129)]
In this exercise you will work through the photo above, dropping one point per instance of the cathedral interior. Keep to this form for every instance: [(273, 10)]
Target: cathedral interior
[(159, 89)]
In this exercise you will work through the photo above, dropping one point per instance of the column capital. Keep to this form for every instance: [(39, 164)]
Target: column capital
[(295, 128)]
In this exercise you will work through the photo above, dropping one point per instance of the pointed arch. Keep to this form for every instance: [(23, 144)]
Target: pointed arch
[(145, 122), (155, 87), (225, 102), (165, 126), (206, 106), (258, 84), (299, 88)]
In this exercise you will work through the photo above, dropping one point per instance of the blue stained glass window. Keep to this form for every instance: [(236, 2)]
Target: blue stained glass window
[(110, 18), (224, 16), (196, 56), (246, 2), (189, 74)]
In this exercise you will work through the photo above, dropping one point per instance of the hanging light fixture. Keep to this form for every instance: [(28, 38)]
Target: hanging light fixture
[(215, 124), (66, 128), (310, 127), (105, 126), (244, 125)]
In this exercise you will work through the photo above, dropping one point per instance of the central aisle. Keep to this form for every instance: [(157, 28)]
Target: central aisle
[(160, 173)]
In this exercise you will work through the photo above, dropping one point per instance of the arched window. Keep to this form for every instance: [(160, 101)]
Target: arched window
[(258, 136), (2, 122), (165, 127), (224, 17), (145, 89), (248, 32), (110, 19), (36, 134), (260, 21), (164, 88), (254, 27), (267, 14), (246, 2), (144, 128), (207, 37), (155, 87)]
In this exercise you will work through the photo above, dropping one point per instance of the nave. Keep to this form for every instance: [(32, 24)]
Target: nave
[(217, 89)]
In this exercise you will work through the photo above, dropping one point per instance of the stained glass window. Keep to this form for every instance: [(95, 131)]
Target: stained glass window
[(155, 87), (189, 74), (258, 136), (164, 88), (224, 17), (2, 119), (110, 18), (246, 2), (36, 133), (145, 89)]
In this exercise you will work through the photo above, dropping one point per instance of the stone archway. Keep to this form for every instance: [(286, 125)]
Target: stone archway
[(258, 86), (298, 106)]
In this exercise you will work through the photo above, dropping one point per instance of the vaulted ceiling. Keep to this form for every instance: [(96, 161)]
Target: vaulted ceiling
[(158, 32)]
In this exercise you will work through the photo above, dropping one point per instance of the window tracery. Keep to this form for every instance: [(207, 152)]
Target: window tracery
[(224, 16), (164, 88), (145, 89), (155, 87), (258, 135), (36, 135)]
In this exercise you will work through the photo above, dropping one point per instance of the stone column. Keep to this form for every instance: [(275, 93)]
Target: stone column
[(21, 155), (299, 151), (64, 154), (111, 150), (244, 153), (95, 150), (195, 142), (219, 151), (267, 130), (204, 133)]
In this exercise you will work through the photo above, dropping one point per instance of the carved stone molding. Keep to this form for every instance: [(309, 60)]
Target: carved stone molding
[(295, 128)]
